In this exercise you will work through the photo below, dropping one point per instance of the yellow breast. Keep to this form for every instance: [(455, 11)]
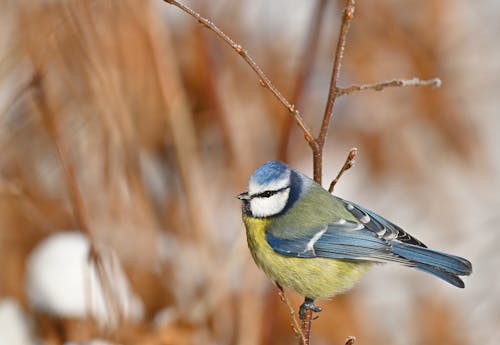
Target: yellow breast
[(311, 277)]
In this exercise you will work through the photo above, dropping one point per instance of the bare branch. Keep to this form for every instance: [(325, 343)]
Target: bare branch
[(435, 82), (263, 78), (349, 162), (332, 94), (306, 326), (295, 323)]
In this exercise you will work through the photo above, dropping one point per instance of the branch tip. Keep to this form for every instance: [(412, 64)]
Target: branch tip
[(379, 86), (350, 340), (352, 153), (348, 164)]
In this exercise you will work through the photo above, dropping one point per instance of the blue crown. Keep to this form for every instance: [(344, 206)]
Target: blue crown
[(268, 172)]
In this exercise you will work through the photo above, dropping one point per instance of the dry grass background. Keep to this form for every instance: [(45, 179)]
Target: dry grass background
[(164, 124)]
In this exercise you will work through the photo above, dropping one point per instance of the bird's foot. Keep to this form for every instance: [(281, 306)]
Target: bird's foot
[(308, 304)]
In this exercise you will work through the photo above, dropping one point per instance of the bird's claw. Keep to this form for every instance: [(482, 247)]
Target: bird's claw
[(308, 304)]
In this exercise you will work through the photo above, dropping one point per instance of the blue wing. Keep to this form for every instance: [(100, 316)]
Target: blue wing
[(373, 238), (346, 240)]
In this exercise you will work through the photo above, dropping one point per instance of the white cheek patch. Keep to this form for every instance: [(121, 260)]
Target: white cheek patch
[(266, 207)]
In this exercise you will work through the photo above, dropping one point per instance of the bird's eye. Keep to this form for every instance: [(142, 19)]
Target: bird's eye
[(266, 194)]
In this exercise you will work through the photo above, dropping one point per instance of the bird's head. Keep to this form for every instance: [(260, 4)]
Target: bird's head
[(269, 190)]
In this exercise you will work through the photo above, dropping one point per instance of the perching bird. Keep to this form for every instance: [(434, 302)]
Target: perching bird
[(319, 245)]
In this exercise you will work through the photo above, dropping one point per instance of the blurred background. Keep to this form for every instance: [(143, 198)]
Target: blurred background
[(159, 124)]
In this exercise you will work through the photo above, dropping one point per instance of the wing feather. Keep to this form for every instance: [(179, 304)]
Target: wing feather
[(379, 225), (348, 240)]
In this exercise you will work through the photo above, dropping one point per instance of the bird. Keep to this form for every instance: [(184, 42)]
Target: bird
[(306, 239)]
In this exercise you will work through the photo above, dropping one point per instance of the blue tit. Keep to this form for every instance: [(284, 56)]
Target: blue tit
[(319, 245)]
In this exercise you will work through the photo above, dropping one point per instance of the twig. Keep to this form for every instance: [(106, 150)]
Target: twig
[(306, 326), (349, 162), (304, 70), (263, 78), (295, 326), (342, 91), (332, 93)]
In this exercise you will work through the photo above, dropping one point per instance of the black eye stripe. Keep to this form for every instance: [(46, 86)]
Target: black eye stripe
[(268, 193)]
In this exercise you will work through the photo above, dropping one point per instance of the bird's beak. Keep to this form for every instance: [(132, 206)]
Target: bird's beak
[(243, 196)]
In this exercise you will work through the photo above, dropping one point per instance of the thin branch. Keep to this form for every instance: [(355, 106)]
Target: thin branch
[(435, 82), (263, 78), (304, 70), (306, 326), (348, 164), (295, 323), (332, 94)]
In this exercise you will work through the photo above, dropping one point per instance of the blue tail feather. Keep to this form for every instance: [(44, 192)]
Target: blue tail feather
[(445, 266), (446, 276)]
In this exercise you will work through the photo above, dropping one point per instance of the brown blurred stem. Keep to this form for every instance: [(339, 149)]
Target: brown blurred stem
[(75, 195), (209, 79), (304, 71), (349, 162), (342, 91), (63, 152)]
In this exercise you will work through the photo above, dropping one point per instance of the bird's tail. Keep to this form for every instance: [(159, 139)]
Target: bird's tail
[(445, 266)]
